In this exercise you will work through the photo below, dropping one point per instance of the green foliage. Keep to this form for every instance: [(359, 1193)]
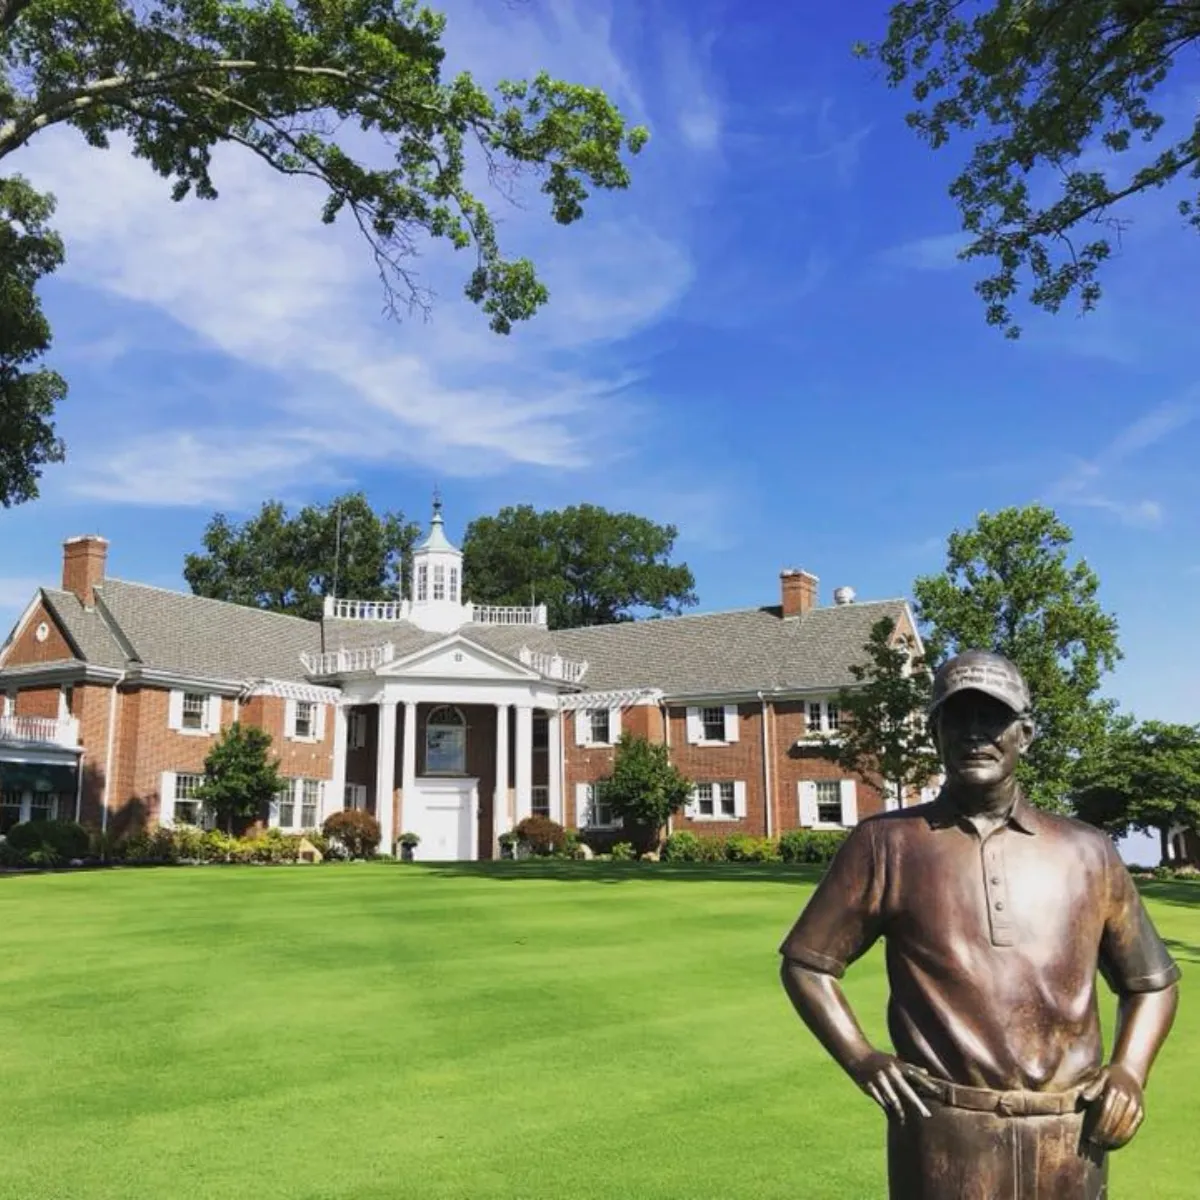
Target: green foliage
[(49, 843), (542, 835), (810, 845), (347, 92), (645, 787), (882, 729), (187, 844), (588, 566), (240, 777), (1064, 86), (1145, 776), (743, 847), (1008, 587), (623, 852), (28, 395), (357, 832), (290, 563), (681, 846)]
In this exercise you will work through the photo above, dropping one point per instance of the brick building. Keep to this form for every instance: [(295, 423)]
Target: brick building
[(442, 717)]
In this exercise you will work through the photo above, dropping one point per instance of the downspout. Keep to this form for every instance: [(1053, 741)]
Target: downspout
[(768, 793), (666, 720), (108, 757)]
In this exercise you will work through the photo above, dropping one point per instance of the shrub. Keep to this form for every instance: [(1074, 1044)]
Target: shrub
[(572, 845), (623, 852), (682, 846), (542, 835), (48, 843), (810, 845), (357, 831), (189, 843), (154, 847), (742, 847), (711, 849)]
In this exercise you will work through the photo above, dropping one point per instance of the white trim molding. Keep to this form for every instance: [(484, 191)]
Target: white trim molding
[(286, 689), (619, 698)]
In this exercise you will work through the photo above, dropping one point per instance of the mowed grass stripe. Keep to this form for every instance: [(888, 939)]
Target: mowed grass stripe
[(376, 1030)]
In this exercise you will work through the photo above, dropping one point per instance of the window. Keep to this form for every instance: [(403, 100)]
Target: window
[(541, 800), (833, 716), (541, 730), (715, 801), (423, 582), (446, 742), (305, 725), (598, 726), (285, 802), (356, 796), (439, 581), (824, 716), (592, 810), (358, 730), (310, 803), (454, 584), (10, 810), (829, 802), (187, 808), (712, 722), (194, 707)]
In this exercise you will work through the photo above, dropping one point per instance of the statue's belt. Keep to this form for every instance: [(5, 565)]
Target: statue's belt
[(1004, 1104)]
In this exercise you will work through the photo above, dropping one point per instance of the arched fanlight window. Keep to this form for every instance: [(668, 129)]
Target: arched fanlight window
[(446, 742)]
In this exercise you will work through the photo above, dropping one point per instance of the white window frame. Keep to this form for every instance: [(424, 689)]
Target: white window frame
[(290, 713), (439, 582), (355, 797), (822, 717), (697, 733), (291, 795), (210, 719), (586, 806), (422, 583), (453, 591), (539, 800), (172, 784), (807, 796), (713, 790), (585, 733), (461, 727), (57, 803)]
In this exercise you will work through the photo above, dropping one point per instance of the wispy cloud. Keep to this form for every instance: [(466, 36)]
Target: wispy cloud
[(689, 83), (1091, 483), (256, 278), (15, 593), (938, 252)]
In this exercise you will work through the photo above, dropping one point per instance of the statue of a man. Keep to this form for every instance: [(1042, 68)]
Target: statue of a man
[(996, 916)]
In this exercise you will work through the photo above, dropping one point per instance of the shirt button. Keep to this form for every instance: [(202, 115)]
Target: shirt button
[(999, 905), (996, 879)]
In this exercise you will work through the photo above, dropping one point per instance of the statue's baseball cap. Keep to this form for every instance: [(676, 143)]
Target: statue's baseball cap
[(980, 671)]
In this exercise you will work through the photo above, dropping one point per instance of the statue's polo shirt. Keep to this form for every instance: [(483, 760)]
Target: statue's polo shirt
[(992, 944)]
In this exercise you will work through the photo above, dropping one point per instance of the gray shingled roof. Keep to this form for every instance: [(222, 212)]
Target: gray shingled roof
[(173, 631), (85, 627)]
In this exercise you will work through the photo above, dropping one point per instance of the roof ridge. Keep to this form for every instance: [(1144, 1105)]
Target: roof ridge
[(673, 617), (266, 612)]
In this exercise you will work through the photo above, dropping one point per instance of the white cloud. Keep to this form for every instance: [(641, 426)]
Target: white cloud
[(15, 593), (936, 253), (256, 277)]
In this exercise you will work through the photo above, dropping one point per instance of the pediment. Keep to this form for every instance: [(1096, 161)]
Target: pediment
[(457, 658)]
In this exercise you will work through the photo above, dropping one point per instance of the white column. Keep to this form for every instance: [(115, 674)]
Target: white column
[(500, 821), (385, 776), (524, 772), (408, 764), (554, 766), (335, 798)]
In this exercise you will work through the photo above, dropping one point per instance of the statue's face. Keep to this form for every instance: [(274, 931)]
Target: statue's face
[(981, 739)]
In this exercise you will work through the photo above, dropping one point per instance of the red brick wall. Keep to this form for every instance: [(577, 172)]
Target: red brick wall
[(27, 649), (297, 760), (91, 704), (38, 701)]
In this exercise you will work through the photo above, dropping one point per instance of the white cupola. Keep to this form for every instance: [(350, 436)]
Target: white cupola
[(437, 603)]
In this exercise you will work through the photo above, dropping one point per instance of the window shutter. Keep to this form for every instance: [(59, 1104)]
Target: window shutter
[(582, 726), (166, 795), (808, 803), (321, 722), (695, 728), (849, 802), (614, 725), (212, 714), (175, 710), (691, 808), (731, 722), (739, 796), (289, 718), (582, 802)]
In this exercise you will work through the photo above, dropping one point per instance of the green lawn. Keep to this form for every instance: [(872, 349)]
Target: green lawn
[(398, 1031)]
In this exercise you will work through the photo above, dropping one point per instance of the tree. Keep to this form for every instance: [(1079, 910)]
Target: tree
[(1056, 84), (288, 564), (588, 566), (28, 251), (240, 777), (1146, 776), (1008, 587), (882, 729), (645, 788), (347, 92)]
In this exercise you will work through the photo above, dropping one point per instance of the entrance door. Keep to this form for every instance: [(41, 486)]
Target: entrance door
[(442, 814)]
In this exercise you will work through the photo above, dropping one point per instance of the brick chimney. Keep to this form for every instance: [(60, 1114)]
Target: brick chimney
[(84, 559), (798, 590)]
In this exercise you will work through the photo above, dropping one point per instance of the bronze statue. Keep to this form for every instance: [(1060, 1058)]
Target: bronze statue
[(996, 916)]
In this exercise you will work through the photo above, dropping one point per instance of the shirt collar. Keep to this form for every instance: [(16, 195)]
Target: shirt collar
[(1022, 816)]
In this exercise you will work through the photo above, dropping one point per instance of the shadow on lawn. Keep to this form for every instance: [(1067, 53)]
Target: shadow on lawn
[(1183, 951), (610, 872), (1180, 892)]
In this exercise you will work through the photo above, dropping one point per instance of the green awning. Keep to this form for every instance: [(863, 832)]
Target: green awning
[(37, 777)]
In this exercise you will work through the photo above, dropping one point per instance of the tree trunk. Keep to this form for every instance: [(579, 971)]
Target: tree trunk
[(1165, 846)]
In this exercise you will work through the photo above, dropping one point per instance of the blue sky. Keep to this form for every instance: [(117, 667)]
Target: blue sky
[(766, 341)]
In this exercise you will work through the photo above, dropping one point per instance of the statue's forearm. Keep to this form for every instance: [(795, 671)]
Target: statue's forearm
[(823, 1007), (1143, 1022)]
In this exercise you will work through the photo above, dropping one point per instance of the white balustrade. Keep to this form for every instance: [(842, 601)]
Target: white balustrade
[(44, 731), (348, 662), (495, 614), (553, 666), (366, 610)]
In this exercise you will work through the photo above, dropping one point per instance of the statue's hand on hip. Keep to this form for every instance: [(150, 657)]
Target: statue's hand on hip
[(1117, 1107), (881, 1076)]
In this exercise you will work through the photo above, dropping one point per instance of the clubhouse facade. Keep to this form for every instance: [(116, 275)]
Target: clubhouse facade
[(441, 717)]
